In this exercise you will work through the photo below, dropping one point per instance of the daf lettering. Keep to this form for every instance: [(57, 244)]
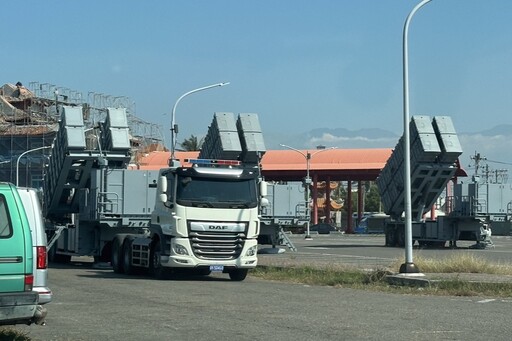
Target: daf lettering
[(217, 227)]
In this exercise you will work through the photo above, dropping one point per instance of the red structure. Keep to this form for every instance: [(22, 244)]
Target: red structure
[(288, 165)]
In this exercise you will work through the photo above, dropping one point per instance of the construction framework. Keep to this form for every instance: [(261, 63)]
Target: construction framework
[(29, 120)]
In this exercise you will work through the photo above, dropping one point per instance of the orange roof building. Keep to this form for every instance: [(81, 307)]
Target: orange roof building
[(290, 165), (333, 164)]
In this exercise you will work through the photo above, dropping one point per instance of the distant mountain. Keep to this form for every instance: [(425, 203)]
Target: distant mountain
[(504, 130), (333, 137), (495, 144), (374, 133)]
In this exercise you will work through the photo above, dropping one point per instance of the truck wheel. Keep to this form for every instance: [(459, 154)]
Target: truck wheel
[(127, 256), (238, 274), (117, 255), (400, 238), (390, 238), (156, 268), (441, 243), (54, 257)]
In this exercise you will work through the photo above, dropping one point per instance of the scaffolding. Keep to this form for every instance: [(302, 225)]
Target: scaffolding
[(29, 119)]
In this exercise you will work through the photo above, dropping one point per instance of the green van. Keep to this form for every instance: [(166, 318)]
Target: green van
[(18, 302)]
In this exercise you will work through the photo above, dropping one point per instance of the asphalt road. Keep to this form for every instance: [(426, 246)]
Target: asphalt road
[(368, 251), (96, 304)]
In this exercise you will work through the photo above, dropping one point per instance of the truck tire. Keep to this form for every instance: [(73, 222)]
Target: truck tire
[(441, 244), (238, 274), (156, 268), (400, 238), (117, 254), (390, 237), (127, 256), (54, 257)]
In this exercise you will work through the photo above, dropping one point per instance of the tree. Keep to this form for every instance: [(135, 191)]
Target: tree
[(191, 144), (372, 200), (371, 197)]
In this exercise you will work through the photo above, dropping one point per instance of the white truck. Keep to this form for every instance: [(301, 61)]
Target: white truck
[(207, 215), (206, 218)]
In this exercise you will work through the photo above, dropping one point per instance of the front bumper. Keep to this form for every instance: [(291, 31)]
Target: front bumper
[(189, 260)]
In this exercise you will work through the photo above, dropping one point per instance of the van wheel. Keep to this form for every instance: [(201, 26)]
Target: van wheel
[(117, 255), (127, 256), (156, 268), (238, 274)]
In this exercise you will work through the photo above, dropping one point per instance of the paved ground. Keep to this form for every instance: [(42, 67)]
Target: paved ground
[(97, 304)]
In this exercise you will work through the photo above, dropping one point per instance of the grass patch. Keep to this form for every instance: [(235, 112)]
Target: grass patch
[(8, 334), (458, 263), (346, 277), (376, 280)]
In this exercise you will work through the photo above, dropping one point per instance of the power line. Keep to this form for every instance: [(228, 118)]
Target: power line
[(500, 162)]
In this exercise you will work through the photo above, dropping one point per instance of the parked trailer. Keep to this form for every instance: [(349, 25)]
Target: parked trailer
[(434, 158), (286, 208), (116, 201), (89, 195), (484, 197)]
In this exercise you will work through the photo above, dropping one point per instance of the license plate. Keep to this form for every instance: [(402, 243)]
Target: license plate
[(216, 267)]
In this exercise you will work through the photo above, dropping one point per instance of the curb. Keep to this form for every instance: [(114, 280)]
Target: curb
[(418, 280)]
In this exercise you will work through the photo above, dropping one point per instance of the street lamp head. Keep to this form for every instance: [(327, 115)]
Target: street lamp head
[(174, 125)]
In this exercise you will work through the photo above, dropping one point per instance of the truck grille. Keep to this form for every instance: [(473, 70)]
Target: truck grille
[(219, 245)]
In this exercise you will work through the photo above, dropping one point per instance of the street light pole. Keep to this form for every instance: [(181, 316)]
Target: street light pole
[(307, 181), (21, 155), (174, 126), (408, 266)]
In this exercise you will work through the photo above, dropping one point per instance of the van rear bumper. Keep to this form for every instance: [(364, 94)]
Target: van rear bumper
[(18, 308), (45, 294)]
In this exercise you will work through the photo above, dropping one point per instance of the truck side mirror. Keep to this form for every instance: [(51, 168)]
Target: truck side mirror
[(264, 202), (263, 189), (162, 184), (162, 189), (162, 198)]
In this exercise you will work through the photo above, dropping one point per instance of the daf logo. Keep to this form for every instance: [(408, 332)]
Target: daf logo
[(217, 227)]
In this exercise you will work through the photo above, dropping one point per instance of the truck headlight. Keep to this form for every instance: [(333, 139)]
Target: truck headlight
[(180, 250), (252, 251)]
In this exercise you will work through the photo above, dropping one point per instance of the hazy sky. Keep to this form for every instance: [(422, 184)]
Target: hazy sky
[(299, 64)]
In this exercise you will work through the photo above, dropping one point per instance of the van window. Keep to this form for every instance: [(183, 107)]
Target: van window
[(5, 221)]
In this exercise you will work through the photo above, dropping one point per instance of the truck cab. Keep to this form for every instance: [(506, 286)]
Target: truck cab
[(207, 217), (206, 214)]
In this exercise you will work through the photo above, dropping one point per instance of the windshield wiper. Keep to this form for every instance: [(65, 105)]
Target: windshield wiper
[(194, 203), (239, 205)]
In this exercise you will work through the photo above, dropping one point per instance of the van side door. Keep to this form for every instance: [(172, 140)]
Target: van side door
[(14, 257)]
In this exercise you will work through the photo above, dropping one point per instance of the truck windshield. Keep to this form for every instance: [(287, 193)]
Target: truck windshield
[(216, 193)]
